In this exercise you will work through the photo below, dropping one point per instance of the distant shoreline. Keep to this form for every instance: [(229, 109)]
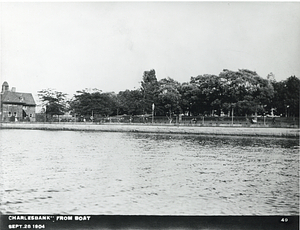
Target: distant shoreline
[(164, 129)]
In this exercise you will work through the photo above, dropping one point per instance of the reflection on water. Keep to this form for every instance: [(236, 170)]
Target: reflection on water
[(67, 172)]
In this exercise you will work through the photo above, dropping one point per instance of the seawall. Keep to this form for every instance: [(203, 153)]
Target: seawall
[(234, 131)]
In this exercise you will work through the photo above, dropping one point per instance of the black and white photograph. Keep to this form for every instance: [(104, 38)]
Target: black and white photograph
[(149, 115)]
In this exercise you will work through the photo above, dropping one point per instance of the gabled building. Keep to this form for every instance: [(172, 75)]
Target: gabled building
[(16, 106)]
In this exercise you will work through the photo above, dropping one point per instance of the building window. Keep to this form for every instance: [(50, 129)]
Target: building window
[(9, 114)]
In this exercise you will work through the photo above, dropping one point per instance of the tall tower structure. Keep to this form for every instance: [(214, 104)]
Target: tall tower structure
[(5, 87)]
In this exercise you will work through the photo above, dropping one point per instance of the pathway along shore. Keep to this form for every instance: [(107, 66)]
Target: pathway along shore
[(167, 129)]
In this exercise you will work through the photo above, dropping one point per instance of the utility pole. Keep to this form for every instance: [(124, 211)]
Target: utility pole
[(153, 107), (232, 116)]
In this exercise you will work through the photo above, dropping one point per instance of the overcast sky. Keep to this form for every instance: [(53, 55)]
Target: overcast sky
[(73, 46)]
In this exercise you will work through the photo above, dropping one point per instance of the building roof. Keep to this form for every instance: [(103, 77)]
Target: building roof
[(9, 97)]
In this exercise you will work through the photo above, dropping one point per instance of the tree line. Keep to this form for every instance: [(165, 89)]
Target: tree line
[(242, 93)]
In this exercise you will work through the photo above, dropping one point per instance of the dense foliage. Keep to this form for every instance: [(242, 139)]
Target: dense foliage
[(241, 92), (90, 103), (54, 102)]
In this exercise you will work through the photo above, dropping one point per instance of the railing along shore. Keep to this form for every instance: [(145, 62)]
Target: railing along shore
[(221, 129)]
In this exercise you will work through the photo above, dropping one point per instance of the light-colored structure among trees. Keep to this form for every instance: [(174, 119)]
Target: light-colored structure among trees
[(16, 106)]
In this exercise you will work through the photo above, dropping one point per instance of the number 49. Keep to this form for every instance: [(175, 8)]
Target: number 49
[(284, 220)]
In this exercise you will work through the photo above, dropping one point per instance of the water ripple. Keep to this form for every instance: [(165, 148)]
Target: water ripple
[(64, 172)]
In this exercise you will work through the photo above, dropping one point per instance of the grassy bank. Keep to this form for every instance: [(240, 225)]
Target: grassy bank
[(230, 130)]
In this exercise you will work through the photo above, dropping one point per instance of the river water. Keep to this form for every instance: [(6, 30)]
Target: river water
[(75, 172)]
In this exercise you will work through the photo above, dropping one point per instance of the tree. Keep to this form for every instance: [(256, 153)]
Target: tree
[(279, 101), (208, 94), (263, 95), (130, 102), (149, 88), (286, 97), (189, 98), (246, 91), (293, 93), (168, 97), (94, 103), (54, 102)]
